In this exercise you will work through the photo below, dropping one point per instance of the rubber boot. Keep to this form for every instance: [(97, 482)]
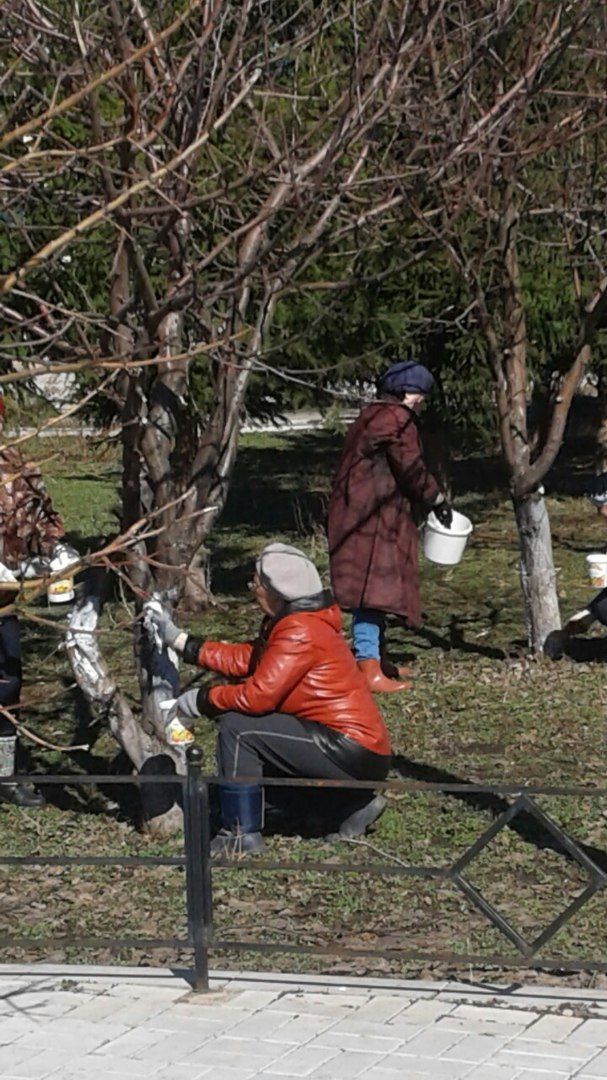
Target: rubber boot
[(17, 794), (29, 798), (377, 682), (360, 819), (242, 820)]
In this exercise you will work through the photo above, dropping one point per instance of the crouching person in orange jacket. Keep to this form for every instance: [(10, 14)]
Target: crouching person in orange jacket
[(301, 709)]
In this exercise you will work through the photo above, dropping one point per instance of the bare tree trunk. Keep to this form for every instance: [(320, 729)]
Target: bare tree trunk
[(538, 575), (509, 362)]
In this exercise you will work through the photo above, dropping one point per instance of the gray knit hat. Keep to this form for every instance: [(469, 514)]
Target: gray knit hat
[(288, 571)]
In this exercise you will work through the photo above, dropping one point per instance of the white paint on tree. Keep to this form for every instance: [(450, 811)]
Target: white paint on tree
[(538, 574)]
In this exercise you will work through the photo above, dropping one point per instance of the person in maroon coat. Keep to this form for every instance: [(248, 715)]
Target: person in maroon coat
[(382, 483)]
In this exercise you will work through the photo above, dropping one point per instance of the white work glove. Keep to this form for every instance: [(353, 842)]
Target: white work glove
[(35, 566), (6, 574), (64, 556), (176, 733), (161, 628), (186, 705)]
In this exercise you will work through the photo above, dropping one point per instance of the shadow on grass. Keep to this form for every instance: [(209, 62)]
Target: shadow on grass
[(456, 641), (525, 824), (233, 568), (117, 800), (283, 490)]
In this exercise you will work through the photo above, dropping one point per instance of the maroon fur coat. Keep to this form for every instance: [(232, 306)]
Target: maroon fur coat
[(381, 480)]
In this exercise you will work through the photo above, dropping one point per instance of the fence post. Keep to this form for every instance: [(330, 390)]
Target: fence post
[(198, 867)]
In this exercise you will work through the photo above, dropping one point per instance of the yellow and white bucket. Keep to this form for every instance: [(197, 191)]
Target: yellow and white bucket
[(61, 586), (61, 591), (597, 569)]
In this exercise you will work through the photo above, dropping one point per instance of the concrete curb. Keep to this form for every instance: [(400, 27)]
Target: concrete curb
[(541, 998)]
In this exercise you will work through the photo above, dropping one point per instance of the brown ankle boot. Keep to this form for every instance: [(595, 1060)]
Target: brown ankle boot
[(377, 682)]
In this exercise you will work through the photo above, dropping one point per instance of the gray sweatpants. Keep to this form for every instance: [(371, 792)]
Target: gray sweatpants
[(280, 745)]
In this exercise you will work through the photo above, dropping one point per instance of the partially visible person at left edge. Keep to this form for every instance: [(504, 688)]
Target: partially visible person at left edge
[(382, 486), (31, 534)]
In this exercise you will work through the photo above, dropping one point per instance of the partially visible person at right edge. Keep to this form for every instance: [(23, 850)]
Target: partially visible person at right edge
[(596, 611), (382, 485)]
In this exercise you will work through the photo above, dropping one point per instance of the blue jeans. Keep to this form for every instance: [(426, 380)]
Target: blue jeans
[(368, 627)]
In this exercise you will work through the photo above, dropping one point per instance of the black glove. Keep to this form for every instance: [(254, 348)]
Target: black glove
[(204, 705), (444, 514)]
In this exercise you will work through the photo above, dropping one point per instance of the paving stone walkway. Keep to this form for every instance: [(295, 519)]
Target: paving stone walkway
[(93, 1023)]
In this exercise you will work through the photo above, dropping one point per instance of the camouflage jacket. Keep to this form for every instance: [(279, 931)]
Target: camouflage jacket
[(28, 523)]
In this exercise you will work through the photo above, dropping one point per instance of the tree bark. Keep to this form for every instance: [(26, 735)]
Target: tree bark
[(538, 575)]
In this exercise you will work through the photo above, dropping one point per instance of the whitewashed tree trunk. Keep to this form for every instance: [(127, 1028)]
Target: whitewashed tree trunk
[(161, 813), (538, 575)]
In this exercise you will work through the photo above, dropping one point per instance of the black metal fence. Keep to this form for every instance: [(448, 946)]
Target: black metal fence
[(198, 865)]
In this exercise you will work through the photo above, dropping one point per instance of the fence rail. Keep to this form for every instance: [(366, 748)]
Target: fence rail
[(198, 865)]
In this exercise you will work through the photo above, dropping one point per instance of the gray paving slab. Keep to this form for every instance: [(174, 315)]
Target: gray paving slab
[(428, 1065), (343, 1040), (346, 1064), (553, 1064), (13, 1055), (593, 1032), (43, 1064), (558, 1029), (381, 1008), (545, 1048), (473, 1048), (224, 1072), (431, 1043), (302, 1061), (545, 1072), (470, 1025), (597, 1067), (487, 1071), (175, 1047), (124, 1026), (182, 1072), (301, 1029)]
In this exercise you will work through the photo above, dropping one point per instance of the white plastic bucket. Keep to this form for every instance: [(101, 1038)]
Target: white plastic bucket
[(597, 570), (446, 546)]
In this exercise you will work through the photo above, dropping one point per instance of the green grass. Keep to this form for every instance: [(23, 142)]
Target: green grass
[(480, 710)]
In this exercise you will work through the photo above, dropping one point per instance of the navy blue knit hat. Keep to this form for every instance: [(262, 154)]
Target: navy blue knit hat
[(406, 377)]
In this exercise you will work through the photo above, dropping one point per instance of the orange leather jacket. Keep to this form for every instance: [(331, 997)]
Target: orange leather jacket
[(303, 667)]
